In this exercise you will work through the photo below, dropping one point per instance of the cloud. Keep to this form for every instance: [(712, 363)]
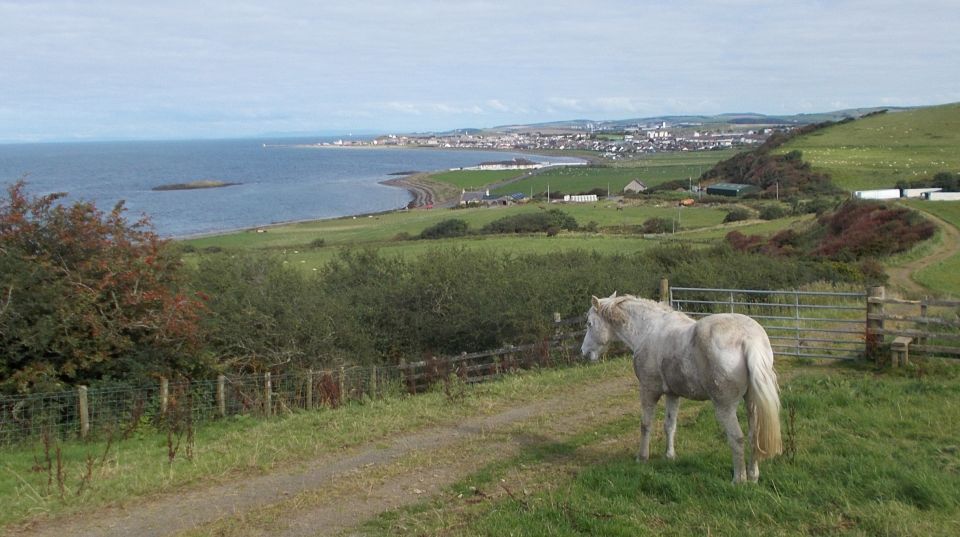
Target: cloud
[(118, 67)]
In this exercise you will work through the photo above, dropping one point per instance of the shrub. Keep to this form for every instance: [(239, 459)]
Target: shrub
[(657, 225), (88, 295), (773, 211), (537, 222), (737, 214), (453, 227), (318, 243)]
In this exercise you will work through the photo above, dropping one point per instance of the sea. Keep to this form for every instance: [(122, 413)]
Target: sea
[(279, 180)]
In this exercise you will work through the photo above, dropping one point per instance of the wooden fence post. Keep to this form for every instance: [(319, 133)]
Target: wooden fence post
[(309, 395), (222, 395), (267, 394), (164, 395), (874, 335), (343, 394), (664, 291), (84, 410)]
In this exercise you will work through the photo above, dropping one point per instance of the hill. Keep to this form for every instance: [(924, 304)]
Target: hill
[(737, 118), (882, 149)]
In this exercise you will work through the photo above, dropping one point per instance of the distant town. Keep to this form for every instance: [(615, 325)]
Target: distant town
[(611, 143)]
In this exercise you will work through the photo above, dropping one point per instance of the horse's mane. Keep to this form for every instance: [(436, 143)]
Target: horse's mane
[(612, 309)]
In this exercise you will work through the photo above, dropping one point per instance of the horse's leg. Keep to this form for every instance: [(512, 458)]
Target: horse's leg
[(648, 407), (753, 466), (727, 416), (670, 423)]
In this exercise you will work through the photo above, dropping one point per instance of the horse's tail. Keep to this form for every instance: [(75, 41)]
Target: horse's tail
[(763, 396)]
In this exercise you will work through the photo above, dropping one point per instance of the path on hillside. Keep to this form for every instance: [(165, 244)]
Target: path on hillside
[(902, 276), (339, 491)]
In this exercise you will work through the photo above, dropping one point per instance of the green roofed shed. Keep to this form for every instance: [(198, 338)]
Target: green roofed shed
[(734, 190)]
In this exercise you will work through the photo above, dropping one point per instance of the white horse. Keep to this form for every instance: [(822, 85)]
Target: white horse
[(724, 358)]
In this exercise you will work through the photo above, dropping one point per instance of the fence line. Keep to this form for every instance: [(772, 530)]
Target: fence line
[(799, 323), (809, 324), (122, 409)]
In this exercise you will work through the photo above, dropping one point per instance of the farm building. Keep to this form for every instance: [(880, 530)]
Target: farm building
[(917, 192), (942, 196), (468, 199), (882, 194), (636, 186), (733, 190)]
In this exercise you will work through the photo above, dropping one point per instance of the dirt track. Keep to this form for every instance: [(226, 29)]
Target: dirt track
[(335, 493), (902, 276)]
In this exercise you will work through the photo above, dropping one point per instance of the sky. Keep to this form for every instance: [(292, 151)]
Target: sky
[(117, 70)]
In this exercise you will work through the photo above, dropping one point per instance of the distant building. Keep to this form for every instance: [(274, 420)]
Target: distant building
[(636, 186), (733, 190), (468, 199), (581, 198), (883, 194)]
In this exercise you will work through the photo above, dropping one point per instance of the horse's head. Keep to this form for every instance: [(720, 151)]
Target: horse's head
[(599, 332)]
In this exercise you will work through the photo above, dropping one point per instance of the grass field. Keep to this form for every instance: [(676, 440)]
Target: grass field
[(651, 169), (945, 275), (385, 227), (866, 455), (698, 225), (475, 179), (878, 151)]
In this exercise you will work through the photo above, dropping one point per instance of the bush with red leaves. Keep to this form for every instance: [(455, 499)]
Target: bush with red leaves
[(86, 295), (861, 229), (857, 230)]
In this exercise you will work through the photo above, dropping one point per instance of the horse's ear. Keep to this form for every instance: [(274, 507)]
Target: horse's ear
[(596, 302), (614, 295)]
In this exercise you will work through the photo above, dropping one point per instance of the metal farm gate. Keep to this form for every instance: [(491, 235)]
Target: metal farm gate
[(810, 324)]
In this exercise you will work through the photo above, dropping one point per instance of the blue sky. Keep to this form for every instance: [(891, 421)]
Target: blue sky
[(80, 70)]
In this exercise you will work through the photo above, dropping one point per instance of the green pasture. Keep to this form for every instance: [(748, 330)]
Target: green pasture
[(866, 454), (652, 170), (943, 276), (475, 179), (386, 227), (877, 151)]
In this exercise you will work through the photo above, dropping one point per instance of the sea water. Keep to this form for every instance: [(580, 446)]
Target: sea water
[(279, 180)]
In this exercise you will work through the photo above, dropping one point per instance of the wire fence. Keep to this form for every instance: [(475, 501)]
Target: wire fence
[(119, 410)]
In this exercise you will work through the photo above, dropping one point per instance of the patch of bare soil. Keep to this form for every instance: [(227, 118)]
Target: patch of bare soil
[(333, 494)]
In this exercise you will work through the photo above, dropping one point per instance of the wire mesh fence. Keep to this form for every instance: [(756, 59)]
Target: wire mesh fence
[(122, 409)]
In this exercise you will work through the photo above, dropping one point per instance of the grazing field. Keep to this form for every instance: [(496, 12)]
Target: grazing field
[(877, 151), (475, 179), (865, 455), (651, 169), (943, 276), (386, 227)]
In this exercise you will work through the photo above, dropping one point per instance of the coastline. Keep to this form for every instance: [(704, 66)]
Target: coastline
[(424, 193)]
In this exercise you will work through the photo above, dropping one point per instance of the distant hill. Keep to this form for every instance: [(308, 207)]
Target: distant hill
[(744, 118), (880, 150)]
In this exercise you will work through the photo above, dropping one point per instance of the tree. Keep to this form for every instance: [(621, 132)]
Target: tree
[(947, 181), (88, 295)]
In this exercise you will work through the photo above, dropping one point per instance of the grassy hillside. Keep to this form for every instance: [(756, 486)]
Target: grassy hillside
[(943, 276), (878, 151), (474, 179), (652, 170)]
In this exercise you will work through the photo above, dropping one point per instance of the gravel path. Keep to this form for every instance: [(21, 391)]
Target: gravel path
[(299, 495)]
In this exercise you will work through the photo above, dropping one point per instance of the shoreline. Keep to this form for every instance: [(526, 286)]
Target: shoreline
[(423, 192)]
